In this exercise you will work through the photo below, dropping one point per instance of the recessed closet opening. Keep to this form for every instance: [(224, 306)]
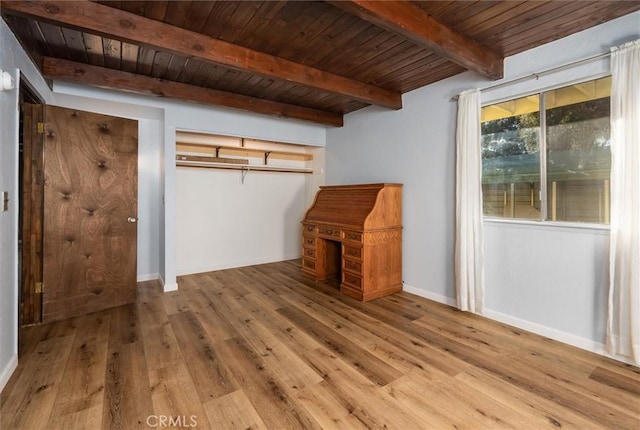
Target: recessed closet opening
[(240, 201)]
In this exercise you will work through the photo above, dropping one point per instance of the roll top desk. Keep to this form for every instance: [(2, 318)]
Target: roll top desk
[(354, 233)]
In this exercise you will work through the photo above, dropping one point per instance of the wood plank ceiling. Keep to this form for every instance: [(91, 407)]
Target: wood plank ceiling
[(310, 60)]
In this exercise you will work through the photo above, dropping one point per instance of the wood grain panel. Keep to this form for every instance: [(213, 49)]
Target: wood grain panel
[(112, 53), (74, 72), (32, 400), (313, 36), (174, 395), (156, 10), (145, 60), (299, 354), (52, 34), (133, 6), (284, 363), (75, 45), (125, 327), (175, 40), (160, 345), (356, 394), (210, 375), (587, 15), (311, 24), (126, 372), (198, 15), (234, 410), (176, 13), (91, 165), (505, 14), (277, 407), (129, 57), (404, 18), (95, 50), (425, 357), (535, 409), (82, 385), (370, 366)]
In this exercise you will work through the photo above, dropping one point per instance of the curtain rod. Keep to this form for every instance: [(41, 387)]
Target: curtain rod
[(542, 73)]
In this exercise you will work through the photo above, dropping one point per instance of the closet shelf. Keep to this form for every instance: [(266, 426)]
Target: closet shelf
[(239, 151), (180, 157)]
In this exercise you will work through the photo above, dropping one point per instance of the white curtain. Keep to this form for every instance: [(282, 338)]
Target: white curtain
[(623, 321), (469, 266)]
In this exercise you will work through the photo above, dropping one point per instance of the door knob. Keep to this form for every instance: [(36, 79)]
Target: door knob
[(132, 219)]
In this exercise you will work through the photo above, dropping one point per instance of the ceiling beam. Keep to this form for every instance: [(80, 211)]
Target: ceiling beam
[(127, 27), (402, 17), (70, 71)]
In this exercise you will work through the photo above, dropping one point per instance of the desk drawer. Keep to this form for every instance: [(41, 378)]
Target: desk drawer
[(353, 281), (352, 236), (308, 230), (309, 253), (309, 242), (329, 232), (308, 264), (353, 252), (353, 266)]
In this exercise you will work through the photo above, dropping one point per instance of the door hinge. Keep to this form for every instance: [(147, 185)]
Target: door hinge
[(38, 289), (40, 127)]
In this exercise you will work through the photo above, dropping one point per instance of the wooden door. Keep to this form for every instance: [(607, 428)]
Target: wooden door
[(90, 207)]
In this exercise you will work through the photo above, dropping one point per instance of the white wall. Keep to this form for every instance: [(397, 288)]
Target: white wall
[(556, 282), (14, 61), (222, 222)]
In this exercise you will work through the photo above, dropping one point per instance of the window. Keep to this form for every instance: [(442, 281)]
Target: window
[(547, 156)]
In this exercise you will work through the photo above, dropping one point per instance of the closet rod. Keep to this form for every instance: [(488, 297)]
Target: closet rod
[(542, 73), (246, 168)]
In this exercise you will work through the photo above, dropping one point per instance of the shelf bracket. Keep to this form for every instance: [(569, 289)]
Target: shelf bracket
[(217, 152), (244, 173), (266, 157)]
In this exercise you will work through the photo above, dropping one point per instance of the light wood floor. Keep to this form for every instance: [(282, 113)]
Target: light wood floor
[(264, 348)]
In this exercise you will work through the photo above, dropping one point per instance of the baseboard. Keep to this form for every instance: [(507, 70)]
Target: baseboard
[(539, 329), (8, 371), (551, 333), (234, 265), (150, 277), (167, 287), (429, 295), (170, 287)]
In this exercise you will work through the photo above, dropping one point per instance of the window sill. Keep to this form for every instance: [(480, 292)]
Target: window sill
[(550, 224)]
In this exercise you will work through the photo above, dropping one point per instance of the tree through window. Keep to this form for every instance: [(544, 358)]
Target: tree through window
[(553, 166)]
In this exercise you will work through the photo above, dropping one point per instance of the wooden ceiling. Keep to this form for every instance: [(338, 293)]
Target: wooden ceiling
[(310, 60)]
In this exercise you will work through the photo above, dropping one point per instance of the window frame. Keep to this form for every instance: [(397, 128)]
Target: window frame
[(543, 221)]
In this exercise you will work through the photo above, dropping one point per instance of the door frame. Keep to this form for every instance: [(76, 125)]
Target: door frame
[(30, 205)]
